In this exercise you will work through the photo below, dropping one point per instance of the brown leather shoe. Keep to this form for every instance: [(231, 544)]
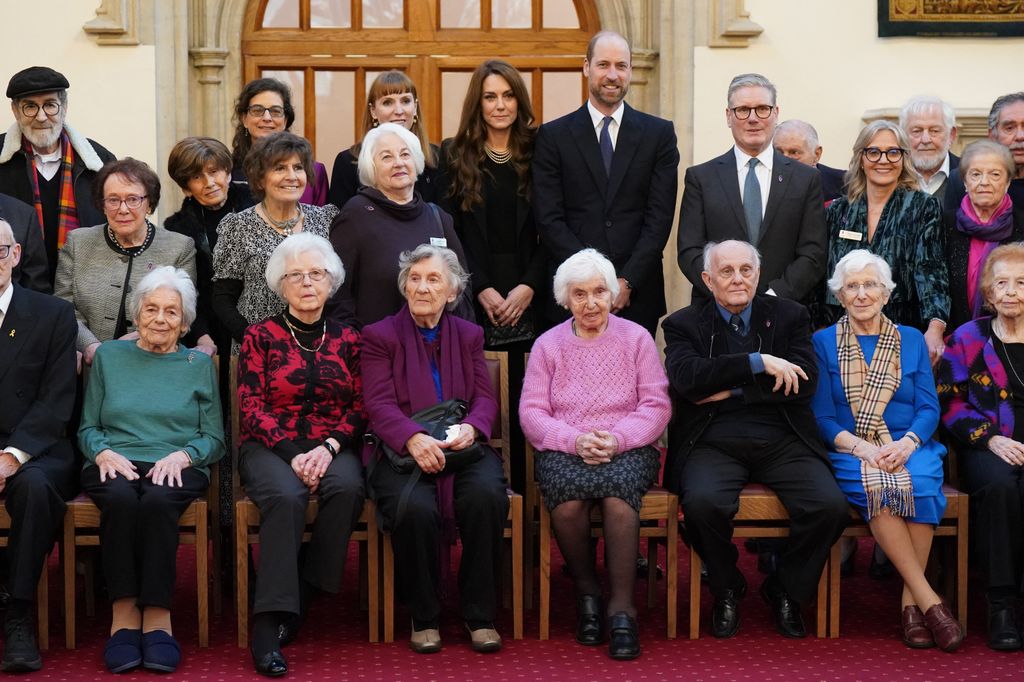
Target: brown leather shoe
[(915, 634), (945, 629), (484, 640), (425, 641)]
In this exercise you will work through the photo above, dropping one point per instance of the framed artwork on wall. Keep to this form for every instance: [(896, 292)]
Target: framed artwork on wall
[(963, 18)]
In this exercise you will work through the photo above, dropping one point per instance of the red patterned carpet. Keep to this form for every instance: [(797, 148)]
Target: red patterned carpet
[(333, 645)]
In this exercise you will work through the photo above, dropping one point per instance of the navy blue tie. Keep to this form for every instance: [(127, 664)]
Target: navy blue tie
[(606, 146), (752, 202), (736, 322)]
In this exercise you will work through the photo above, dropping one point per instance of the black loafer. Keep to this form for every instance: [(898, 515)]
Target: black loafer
[(788, 619), (589, 617), (1003, 634), (725, 615), (623, 637), (270, 664)]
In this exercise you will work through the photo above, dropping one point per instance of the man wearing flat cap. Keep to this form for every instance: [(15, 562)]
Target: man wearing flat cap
[(44, 162)]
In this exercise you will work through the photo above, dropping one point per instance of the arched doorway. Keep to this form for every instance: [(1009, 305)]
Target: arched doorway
[(329, 51)]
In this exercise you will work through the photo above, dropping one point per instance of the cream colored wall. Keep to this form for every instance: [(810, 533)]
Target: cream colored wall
[(112, 98), (830, 67)]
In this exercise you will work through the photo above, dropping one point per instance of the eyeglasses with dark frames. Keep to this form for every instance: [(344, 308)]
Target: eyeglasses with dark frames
[(874, 154), (761, 110), (258, 110), (30, 109), (5, 250)]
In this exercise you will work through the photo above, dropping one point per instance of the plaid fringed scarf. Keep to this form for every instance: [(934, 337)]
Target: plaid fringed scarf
[(869, 390), (67, 216)]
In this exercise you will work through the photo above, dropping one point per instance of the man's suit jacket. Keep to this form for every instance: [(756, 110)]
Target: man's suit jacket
[(37, 370), (954, 165), (627, 216), (699, 364), (792, 238), (33, 272), (832, 181)]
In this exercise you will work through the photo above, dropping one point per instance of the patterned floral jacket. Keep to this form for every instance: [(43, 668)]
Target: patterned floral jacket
[(973, 388)]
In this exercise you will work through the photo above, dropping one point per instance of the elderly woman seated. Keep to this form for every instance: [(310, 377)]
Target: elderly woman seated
[(980, 387), (877, 412), (415, 359), (595, 400), (301, 403), (151, 427)]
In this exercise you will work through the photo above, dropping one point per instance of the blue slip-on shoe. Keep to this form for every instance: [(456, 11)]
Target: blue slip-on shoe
[(123, 651), (160, 651)]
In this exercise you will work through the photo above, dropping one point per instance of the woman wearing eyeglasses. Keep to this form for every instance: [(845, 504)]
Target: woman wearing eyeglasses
[(263, 107), (100, 266), (884, 212)]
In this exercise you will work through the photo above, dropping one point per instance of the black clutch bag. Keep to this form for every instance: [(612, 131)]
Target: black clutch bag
[(520, 331), (436, 420)]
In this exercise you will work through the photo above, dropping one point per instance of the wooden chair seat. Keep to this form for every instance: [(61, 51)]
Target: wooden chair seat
[(42, 590), (953, 524), (761, 515)]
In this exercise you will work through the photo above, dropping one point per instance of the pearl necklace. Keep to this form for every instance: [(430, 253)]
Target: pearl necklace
[(323, 335), (284, 226), (496, 156)]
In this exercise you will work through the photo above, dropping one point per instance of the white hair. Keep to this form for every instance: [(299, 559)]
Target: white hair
[(166, 277), (859, 260), (711, 247), (805, 129), (458, 278), (291, 248), (368, 166), (924, 104), (580, 267)]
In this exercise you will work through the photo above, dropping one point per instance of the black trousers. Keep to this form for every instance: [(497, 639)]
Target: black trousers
[(282, 498), (139, 531), (712, 478), (996, 490), (481, 508), (35, 500)]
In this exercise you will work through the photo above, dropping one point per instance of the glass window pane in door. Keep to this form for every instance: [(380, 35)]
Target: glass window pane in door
[(335, 114), (460, 13), (330, 14), (561, 93), (382, 13), (559, 14), (453, 90), (511, 13), (281, 14), (294, 80)]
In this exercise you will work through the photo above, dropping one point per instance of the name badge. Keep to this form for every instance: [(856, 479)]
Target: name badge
[(853, 236), (439, 241)]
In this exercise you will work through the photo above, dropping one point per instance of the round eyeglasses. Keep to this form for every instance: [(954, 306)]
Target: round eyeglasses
[(300, 277), (31, 109), (874, 154)]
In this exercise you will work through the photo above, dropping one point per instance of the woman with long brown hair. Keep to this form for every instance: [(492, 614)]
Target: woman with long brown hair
[(392, 98), (486, 178)]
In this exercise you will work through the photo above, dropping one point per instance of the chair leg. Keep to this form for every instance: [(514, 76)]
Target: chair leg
[(69, 580), (529, 537), (216, 594), (821, 607), (372, 571), (694, 594), (516, 510), (545, 570), (203, 571), (672, 569), (834, 573), (242, 573), (43, 605), (389, 590)]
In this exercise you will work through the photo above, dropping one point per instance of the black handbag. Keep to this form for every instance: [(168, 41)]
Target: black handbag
[(502, 336)]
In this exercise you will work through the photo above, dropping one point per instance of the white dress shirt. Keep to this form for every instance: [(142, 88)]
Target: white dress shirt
[(938, 177), (763, 172), (598, 118)]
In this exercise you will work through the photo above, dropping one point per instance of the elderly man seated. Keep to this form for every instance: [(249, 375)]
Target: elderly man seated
[(37, 471), (742, 370)]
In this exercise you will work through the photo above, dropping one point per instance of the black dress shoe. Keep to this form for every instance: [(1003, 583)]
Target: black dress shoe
[(623, 637), (1003, 634), (271, 664), (589, 616), (20, 651), (725, 615), (788, 619)]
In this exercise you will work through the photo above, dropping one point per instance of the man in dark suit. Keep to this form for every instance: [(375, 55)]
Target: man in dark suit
[(1005, 126), (930, 123), (751, 193), (798, 140), (742, 372), (37, 469), (604, 176), (33, 270)]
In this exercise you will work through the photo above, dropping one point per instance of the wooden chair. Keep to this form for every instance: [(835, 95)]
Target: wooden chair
[(81, 528), (497, 365), (247, 528), (42, 591), (659, 506), (953, 524), (760, 515)]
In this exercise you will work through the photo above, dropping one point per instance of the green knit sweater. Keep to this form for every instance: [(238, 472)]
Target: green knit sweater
[(145, 405)]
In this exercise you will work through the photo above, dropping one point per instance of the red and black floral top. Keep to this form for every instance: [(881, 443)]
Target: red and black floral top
[(290, 397)]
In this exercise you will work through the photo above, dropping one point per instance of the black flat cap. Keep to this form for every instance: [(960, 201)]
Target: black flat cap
[(36, 79)]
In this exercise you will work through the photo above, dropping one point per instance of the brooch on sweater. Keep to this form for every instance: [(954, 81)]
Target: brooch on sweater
[(191, 357)]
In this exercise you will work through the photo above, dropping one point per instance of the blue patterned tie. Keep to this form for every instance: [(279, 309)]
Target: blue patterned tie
[(606, 146), (736, 322), (752, 202)]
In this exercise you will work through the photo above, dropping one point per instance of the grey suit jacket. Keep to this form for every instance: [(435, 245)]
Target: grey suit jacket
[(91, 275)]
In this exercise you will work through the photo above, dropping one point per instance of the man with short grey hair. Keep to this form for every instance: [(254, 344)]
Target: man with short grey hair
[(44, 162), (930, 123), (1005, 126), (798, 140), (753, 193)]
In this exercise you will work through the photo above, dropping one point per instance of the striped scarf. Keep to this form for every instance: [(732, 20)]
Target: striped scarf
[(67, 216), (869, 390)]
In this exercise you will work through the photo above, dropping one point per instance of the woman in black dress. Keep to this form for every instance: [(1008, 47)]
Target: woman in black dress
[(485, 182)]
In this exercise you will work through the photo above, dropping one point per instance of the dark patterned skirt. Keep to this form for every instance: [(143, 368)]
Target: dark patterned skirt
[(563, 477)]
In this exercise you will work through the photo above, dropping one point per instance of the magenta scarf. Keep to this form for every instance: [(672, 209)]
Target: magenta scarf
[(985, 237)]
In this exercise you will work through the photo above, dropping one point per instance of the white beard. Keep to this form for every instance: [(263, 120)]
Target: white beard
[(42, 139), (928, 162)]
